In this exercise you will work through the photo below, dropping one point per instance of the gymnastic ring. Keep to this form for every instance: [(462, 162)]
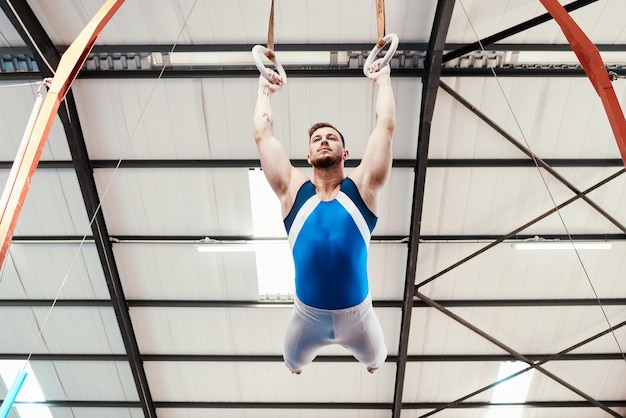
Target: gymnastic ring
[(259, 50), (393, 38)]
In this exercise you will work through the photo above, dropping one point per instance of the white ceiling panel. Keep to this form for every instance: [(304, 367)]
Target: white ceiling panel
[(8, 34), (394, 216), (434, 382), (53, 205), (386, 269), (179, 271), (63, 330), (268, 382), (437, 382), (597, 21), (555, 118), (550, 387), (498, 201), (464, 412), (104, 380), (143, 119), (17, 101), (270, 413), (220, 331), (503, 272), (538, 330), (97, 412), (69, 271), (244, 22), (153, 119), (474, 19), (599, 379), (257, 330), (176, 201), (489, 200)]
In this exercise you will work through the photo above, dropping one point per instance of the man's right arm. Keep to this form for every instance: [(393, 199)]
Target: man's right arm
[(281, 175)]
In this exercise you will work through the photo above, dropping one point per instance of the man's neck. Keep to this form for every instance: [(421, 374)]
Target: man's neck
[(327, 181)]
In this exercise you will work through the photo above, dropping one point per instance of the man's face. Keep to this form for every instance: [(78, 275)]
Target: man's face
[(326, 148)]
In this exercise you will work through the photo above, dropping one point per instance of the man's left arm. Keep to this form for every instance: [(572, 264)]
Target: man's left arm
[(375, 167)]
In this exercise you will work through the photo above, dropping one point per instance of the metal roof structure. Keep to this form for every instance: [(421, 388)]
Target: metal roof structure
[(501, 140)]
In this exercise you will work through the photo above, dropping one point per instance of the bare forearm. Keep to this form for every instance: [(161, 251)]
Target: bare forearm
[(263, 115), (385, 104)]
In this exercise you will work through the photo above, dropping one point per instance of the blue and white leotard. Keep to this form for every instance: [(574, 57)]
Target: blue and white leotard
[(329, 241)]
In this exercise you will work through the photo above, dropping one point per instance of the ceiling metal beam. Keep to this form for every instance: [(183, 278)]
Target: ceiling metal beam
[(520, 71), (522, 162), (277, 358), (32, 32), (430, 86), (397, 163), (316, 405), (146, 61), (253, 304), (517, 71), (376, 239)]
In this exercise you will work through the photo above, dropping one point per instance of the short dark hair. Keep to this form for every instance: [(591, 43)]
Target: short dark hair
[(318, 125)]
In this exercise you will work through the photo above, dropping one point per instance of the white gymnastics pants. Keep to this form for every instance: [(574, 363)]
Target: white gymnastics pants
[(356, 328)]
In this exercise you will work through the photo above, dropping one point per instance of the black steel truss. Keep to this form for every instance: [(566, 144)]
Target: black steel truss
[(315, 405), (244, 304), (397, 163)]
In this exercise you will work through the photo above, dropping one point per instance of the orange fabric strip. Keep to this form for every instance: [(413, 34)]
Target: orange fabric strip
[(71, 62), (594, 67), (270, 34), (380, 22)]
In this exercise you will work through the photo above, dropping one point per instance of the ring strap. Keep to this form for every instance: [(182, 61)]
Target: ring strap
[(270, 34), (380, 22)]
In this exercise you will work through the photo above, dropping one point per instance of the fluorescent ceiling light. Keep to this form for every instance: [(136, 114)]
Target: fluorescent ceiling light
[(234, 58), (30, 392), (225, 247), (240, 246), (561, 245), (563, 57)]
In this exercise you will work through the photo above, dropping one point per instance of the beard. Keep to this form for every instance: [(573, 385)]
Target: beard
[(326, 161)]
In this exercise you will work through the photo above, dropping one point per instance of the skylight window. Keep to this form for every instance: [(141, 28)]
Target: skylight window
[(30, 391), (513, 390), (275, 270)]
